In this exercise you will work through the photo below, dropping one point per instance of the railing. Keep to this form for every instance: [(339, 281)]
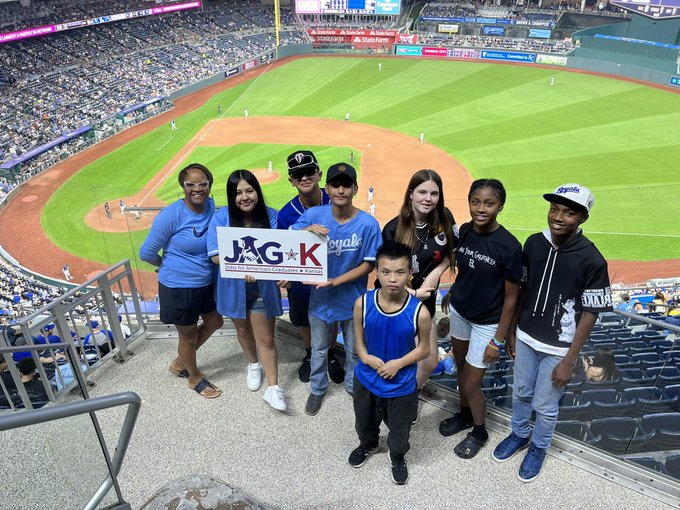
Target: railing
[(9, 422), (627, 428), (91, 328)]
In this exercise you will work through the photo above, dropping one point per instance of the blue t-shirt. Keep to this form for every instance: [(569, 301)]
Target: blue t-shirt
[(230, 294), (389, 336), (182, 235), (349, 245), (288, 215)]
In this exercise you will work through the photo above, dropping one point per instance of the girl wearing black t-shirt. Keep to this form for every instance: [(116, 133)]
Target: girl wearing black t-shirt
[(483, 301), (427, 227)]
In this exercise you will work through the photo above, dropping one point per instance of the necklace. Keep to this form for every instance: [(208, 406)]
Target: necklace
[(427, 235)]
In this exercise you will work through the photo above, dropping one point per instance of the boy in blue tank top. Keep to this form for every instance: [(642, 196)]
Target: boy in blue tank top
[(392, 331)]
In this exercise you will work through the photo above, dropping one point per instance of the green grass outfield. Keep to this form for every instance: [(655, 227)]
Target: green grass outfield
[(618, 138)]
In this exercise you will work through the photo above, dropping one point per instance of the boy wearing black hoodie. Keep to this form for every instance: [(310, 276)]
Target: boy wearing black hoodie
[(564, 287)]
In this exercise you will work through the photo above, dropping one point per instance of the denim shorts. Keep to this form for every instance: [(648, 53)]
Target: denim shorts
[(254, 301), (477, 334)]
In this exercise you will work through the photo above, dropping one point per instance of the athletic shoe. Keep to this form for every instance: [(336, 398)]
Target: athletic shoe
[(453, 425), (254, 376), (532, 464), (335, 370), (274, 397), (313, 404), (438, 370), (507, 448), (305, 370), (360, 455), (399, 469)]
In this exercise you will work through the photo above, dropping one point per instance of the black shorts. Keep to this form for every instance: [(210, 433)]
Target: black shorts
[(298, 312), (183, 306)]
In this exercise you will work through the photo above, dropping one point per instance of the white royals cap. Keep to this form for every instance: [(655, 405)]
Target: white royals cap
[(572, 194)]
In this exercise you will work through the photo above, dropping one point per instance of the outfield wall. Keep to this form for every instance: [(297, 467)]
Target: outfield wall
[(525, 57)]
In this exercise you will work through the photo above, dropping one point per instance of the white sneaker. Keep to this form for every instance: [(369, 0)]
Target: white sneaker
[(254, 376), (274, 397)]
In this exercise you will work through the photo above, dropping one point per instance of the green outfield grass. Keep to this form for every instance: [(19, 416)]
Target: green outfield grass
[(500, 121)]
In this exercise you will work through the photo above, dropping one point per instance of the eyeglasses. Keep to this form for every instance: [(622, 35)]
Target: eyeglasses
[(306, 174), (197, 185)]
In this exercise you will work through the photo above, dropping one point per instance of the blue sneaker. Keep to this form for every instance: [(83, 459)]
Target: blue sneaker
[(449, 366), (507, 448), (531, 465), (439, 369)]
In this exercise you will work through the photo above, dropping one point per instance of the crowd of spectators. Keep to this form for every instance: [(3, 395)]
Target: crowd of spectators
[(506, 43), (77, 78)]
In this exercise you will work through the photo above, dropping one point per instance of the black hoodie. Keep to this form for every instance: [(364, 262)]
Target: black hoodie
[(559, 284)]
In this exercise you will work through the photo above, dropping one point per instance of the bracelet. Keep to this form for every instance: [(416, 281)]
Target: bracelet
[(492, 346), (495, 343)]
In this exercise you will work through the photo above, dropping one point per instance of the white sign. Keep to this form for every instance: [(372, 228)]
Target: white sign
[(270, 254)]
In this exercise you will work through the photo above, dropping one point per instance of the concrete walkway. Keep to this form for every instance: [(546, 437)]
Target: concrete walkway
[(300, 462)]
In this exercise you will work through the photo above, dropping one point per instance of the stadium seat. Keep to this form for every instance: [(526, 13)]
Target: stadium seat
[(646, 360), (620, 435), (648, 462), (673, 465), (637, 347), (606, 403), (575, 430), (634, 378), (602, 385), (504, 402), (667, 429), (494, 387), (665, 376), (672, 390), (650, 400), (661, 346), (571, 408)]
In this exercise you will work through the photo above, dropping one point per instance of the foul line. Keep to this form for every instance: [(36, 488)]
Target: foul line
[(639, 234), (166, 143), (199, 137)]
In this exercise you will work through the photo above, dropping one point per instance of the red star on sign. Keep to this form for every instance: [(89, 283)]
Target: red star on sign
[(291, 254)]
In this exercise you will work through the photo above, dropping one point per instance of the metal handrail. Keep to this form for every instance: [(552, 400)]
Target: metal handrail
[(46, 414)]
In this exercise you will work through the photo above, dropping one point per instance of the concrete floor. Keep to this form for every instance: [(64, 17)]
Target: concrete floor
[(300, 462)]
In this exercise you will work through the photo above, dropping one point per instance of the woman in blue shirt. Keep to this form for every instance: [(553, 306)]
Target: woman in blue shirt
[(186, 275), (252, 305)]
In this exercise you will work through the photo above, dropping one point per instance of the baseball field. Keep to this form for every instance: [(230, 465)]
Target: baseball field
[(479, 120)]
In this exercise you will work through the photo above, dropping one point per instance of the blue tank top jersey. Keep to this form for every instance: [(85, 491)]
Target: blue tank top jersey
[(389, 336)]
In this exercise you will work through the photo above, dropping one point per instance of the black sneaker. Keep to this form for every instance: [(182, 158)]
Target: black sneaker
[(453, 425), (360, 455), (335, 370), (313, 404), (399, 469), (304, 370)]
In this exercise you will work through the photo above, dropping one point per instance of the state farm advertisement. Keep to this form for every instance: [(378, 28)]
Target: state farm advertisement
[(357, 38)]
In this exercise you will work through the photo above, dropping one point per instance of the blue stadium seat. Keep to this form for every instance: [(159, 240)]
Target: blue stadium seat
[(646, 360), (665, 376), (650, 400), (636, 347), (494, 387), (672, 390), (571, 408), (606, 403), (602, 385), (621, 435), (634, 378), (667, 429), (648, 462), (504, 402), (673, 465), (661, 346), (575, 430)]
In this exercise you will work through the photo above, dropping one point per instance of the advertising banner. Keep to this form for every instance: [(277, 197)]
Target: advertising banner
[(270, 254), (435, 52), (406, 38), (493, 30), (674, 81), (334, 31), (231, 71), (551, 59), (249, 65), (412, 51), (371, 42), (389, 7), (448, 28), (539, 33), (513, 56)]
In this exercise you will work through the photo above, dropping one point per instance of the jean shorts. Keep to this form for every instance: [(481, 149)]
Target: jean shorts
[(254, 301), (478, 336)]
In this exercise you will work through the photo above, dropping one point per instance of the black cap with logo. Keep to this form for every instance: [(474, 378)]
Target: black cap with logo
[(340, 170)]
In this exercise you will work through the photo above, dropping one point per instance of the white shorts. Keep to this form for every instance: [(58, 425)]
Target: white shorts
[(477, 334)]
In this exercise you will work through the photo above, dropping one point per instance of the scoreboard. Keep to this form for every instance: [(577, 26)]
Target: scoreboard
[(656, 9), (385, 7)]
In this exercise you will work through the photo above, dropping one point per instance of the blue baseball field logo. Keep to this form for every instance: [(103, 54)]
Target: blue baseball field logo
[(272, 254)]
